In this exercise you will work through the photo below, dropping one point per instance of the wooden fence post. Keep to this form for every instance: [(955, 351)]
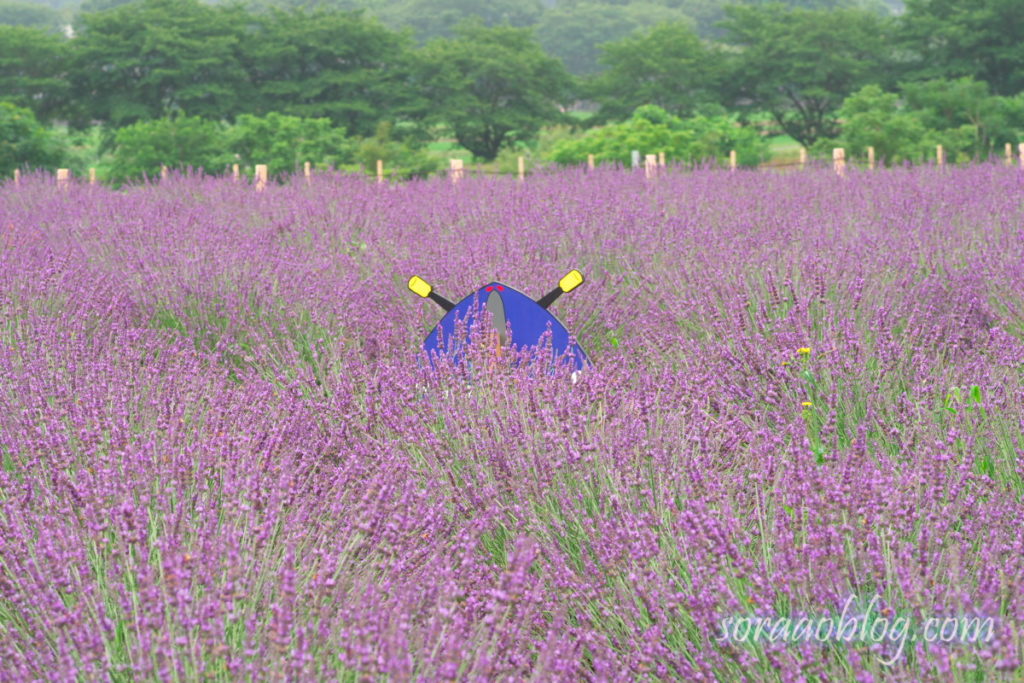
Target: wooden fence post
[(650, 165), (940, 155), (456, 170), (163, 172), (732, 160), (234, 172), (839, 161), (590, 162), (261, 177), (17, 177), (380, 170), (92, 176), (522, 169), (307, 171), (63, 176), (803, 158), (635, 158), (1009, 154), (871, 158), (661, 159), (1020, 153)]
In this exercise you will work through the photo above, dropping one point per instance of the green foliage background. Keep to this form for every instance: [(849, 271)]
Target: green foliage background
[(960, 115), (180, 142), (651, 130), (285, 142), (24, 142), (414, 82)]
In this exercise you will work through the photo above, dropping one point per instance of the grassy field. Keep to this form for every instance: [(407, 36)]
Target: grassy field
[(784, 151), (223, 456)]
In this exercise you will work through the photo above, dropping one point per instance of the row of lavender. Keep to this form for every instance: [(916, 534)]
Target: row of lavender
[(221, 456)]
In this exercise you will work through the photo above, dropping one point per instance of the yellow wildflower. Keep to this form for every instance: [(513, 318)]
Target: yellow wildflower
[(804, 350), (807, 404)]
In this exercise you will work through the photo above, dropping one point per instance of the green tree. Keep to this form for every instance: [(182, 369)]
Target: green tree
[(979, 38), (652, 130), (959, 115), (800, 64), (943, 105), (704, 13), (492, 86), (575, 33), (32, 65), (178, 142), (285, 142), (667, 66), (25, 143), (339, 65), (153, 57), (873, 118)]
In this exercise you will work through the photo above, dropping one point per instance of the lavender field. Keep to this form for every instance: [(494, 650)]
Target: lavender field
[(222, 456)]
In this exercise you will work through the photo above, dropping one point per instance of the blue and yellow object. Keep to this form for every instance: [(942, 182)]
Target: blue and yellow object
[(518, 321)]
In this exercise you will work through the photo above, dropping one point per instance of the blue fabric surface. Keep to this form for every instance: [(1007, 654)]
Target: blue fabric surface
[(526, 318)]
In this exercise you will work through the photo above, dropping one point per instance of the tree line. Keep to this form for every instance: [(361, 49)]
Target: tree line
[(492, 86)]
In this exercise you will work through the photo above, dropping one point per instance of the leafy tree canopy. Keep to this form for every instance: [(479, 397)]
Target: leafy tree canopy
[(153, 57), (491, 86), (873, 118), (943, 104), (179, 142), (667, 66), (25, 143), (338, 65), (652, 130), (979, 38), (32, 62), (960, 115), (576, 33), (284, 143), (800, 64)]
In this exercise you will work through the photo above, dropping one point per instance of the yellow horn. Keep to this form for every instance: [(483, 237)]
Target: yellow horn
[(571, 281), (420, 286)]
